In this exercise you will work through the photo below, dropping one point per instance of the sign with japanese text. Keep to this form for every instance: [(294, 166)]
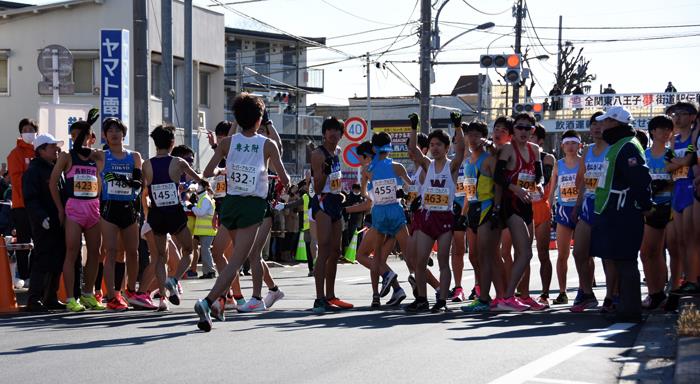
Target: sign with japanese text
[(114, 75), (584, 124), (629, 100), (56, 119), (399, 136)]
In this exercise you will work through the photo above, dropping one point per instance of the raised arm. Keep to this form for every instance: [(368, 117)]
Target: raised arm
[(220, 153), (423, 161), (456, 118)]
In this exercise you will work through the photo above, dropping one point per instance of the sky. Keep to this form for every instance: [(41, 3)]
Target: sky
[(645, 61)]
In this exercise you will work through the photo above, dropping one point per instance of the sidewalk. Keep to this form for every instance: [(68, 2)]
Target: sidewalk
[(688, 355)]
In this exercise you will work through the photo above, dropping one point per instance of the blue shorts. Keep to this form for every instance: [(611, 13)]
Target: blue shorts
[(331, 204), (388, 219), (564, 216), (682, 195), (588, 210)]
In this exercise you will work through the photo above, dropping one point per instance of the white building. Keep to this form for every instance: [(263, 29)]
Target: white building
[(25, 30)]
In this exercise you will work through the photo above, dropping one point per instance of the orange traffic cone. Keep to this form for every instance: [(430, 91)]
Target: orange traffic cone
[(8, 301), (61, 293)]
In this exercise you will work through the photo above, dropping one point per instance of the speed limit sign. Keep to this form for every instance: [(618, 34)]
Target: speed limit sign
[(355, 128)]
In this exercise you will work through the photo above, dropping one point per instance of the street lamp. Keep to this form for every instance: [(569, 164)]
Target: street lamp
[(482, 27)]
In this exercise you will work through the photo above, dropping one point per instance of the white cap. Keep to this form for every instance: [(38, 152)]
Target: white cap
[(616, 113), (46, 138)]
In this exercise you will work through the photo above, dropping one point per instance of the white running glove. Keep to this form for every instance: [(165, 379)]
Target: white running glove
[(46, 224)]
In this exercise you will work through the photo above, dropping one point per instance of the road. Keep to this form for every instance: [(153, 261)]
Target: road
[(290, 344)]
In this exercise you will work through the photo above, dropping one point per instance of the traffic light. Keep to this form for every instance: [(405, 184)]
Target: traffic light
[(493, 61), (513, 63), (536, 109)]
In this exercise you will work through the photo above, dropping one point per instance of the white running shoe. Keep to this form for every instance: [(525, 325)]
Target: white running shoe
[(18, 283), (272, 297), (252, 305)]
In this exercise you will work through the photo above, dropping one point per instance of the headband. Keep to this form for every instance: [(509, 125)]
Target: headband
[(571, 140)]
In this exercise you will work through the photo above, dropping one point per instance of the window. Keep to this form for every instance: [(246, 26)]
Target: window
[(4, 76), (204, 89), (155, 79), (84, 75)]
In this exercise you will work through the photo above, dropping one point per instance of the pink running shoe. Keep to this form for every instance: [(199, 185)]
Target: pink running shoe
[(457, 295), (511, 304), (534, 305)]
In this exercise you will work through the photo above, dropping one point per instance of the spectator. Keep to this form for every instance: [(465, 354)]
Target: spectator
[(670, 88), (609, 90), (354, 220), (18, 162), (554, 94)]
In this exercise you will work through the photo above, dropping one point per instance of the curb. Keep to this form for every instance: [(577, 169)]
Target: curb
[(688, 353), (651, 358)]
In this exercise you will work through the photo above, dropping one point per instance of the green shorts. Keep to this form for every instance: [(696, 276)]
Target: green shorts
[(242, 211)]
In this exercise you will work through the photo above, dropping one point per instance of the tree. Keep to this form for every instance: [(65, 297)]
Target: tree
[(573, 69)]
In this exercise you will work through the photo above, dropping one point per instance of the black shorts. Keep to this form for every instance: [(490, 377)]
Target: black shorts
[(169, 221), (514, 206), (660, 218), (120, 213), (330, 203), (474, 216), (457, 211)]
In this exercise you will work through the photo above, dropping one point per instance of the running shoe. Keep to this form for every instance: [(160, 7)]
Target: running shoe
[(375, 302), (529, 301), (336, 302), (476, 306), (171, 284), (396, 299), (579, 296), (440, 305), (253, 305), (687, 289), (511, 304), (494, 304), (139, 300), (18, 283), (230, 303), (89, 301), (99, 296), (477, 290), (458, 295), (210, 275), (163, 305), (412, 282), (217, 309), (655, 301), (417, 306), (588, 301), (240, 301), (179, 288), (608, 306), (320, 306), (388, 278), (437, 294), (202, 309), (272, 297), (544, 300), (646, 302), (117, 303), (190, 275), (74, 306), (561, 299)]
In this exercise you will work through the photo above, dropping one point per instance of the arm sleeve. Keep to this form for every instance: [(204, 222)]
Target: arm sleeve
[(547, 170), (636, 175), (500, 175), (538, 173)]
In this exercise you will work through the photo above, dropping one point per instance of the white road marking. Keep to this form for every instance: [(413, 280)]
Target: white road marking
[(557, 381)]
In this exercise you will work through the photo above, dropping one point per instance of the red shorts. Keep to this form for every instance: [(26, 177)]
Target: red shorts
[(433, 224), (85, 213), (541, 212)]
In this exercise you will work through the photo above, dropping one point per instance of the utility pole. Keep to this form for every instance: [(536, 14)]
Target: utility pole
[(559, 56), (518, 36), (425, 34), (369, 98), (141, 83), (166, 73), (189, 105)]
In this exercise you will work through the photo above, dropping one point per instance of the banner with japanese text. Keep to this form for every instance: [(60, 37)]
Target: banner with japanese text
[(629, 100), (114, 75)]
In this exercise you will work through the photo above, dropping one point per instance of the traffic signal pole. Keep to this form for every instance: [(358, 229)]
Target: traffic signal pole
[(518, 36), (425, 35)]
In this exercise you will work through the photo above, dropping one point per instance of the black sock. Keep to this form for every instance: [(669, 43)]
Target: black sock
[(274, 289), (119, 271), (258, 297), (209, 302), (98, 279)]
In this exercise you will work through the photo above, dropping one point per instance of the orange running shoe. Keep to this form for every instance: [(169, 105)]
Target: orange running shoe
[(117, 303), (336, 302)]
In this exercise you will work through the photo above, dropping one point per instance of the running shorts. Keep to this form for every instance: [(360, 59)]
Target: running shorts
[(242, 211), (588, 211), (457, 211), (541, 212), (564, 216), (85, 213), (120, 213), (661, 217), (514, 206), (682, 194), (167, 222), (432, 223), (388, 219), (330, 203)]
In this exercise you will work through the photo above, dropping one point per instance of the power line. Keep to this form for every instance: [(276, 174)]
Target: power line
[(403, 28), (352, 14), (527, 12), (367, 31), (486, 13), (588, 27)]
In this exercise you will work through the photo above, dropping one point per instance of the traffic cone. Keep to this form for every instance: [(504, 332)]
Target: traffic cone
[(8, 301), (351, 251), (301, 249), (552, 240), (61, 293)]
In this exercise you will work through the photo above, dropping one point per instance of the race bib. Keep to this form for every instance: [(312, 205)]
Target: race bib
[(412, 192), (660, 176), (460, 190), (119, 188), (436, 199), (567, 188), (164, 195), (384, 191), (526, 181), (84, 185), (681, 173), (336, 181), (243, 178), (470, 188), (219, 186)]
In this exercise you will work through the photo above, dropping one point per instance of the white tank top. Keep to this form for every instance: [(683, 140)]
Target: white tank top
[(245, 166), (438, 189)]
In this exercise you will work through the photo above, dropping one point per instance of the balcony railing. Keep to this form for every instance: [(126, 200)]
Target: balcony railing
[(275, 75)]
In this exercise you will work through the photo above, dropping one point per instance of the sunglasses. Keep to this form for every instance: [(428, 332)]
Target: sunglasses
[(523, 127)]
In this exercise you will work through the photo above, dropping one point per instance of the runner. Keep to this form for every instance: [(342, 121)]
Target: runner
[(519, 172), (459, 229), (589, 173), (326, 208), (655, 228), (247, 155), (564, 178), (81, 214), (165, 215), (542, 215), (434, 221)]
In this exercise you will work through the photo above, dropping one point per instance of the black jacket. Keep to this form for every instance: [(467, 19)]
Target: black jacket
[(37, 196), (630, 170)]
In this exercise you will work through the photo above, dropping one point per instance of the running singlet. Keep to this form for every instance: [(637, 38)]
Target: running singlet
[(118, 190), (81, 179), (384, 182), (334, 180), (594, 170), (163, 191), (219, 184), (567, 193), (460, 188), (471, 177), (523, 175), (658, 171), (685, 172), (415, 189), (245, 166), (438, 191)]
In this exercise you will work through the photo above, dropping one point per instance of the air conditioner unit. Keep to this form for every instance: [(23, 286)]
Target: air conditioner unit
[(202, 118)]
